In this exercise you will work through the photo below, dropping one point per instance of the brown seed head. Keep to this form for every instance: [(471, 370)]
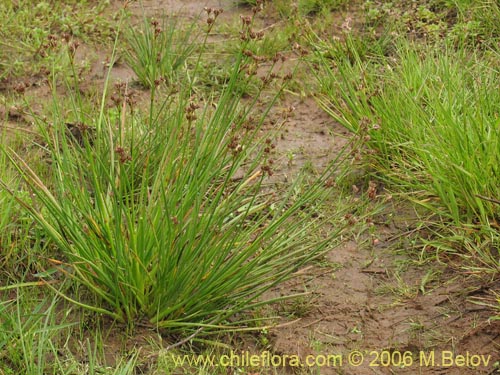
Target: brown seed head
[(247, 20)]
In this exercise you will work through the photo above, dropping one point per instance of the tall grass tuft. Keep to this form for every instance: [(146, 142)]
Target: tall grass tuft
[(163, 216), (157, 50), (432, 116)]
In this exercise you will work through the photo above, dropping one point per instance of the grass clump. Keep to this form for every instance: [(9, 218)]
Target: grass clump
[(162, 215), (431, 116), (158, 50)]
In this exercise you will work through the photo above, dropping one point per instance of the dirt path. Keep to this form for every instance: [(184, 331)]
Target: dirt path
[(364, 306)]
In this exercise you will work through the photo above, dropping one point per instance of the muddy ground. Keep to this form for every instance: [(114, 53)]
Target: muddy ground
[(365, 295)]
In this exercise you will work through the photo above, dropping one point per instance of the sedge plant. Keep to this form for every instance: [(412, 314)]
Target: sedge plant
[(159, 49), (162, 214)]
